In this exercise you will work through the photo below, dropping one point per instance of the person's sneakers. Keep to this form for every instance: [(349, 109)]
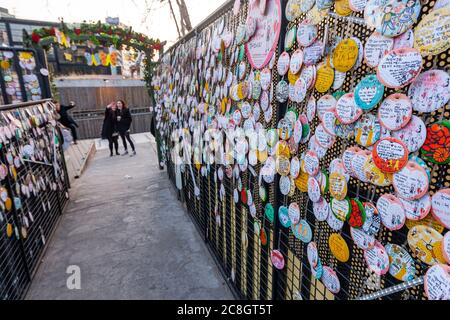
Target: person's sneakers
[(125, 153), (133, 154), (117, 153), (111, 155)]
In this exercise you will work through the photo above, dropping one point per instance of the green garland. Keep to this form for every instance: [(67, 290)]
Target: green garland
[(100, 34)]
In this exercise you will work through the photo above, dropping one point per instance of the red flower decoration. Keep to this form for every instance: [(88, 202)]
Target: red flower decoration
[(77, 31), (157, 46), (437, 143), (35, 37)]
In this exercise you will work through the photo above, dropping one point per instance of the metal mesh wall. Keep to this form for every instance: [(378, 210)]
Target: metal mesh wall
[(224, 223), (33, 216)]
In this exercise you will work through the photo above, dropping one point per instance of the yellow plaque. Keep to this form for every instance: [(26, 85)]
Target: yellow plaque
[(431, 36), (345, 55), (339, 247), (428, 221), (438, 252), (8, 204), (325, 78), (342, 8), (302, 181), (338, 185), (9, 230), (292, 78)]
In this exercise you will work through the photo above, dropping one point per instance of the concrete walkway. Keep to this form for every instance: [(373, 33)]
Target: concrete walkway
[(129, 236)]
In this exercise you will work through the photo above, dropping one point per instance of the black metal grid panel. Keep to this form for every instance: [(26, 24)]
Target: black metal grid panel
[(38, 213), (356, 280), (222, 220)]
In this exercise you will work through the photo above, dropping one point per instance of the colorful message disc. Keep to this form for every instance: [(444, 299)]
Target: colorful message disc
[(436, 147), (296, 61), (376, 47), (329, 123), (399, 67), (411, 182), (323, 138), (367, 130), (325, 78), (391, 212), (401, 265), (362, 239), (417, 209), (311, 108), (346, 109), (430, 91), (313, 254), (357, 215), (313, 190), (377, 259), (339, 79), (421, 240), (413, 134), (330, 280), (441, 207), (339, 247), (393, 17), (289, 39), (405, 40), (358, 165), (357, 5), (437, 282), (321, 209), (313, 53), (324, 104), (334, 223), (372, 224), (309, 74), (368, 92), (269, 212), (294, 213), (303, 231), (390, 155), (302, 181), (307, 33), (282, 91), (283, 63), (283, 216), (345, 55), (262, 44), (338, 186), (341, 208), (277, 259), (311, 163), (431, 34), (395, 111)]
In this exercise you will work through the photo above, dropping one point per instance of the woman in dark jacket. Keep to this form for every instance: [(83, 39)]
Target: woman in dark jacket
[(110, 130), (123, 125)]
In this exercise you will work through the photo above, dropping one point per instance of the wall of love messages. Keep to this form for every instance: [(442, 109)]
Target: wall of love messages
[(33, 191), (343, 192)]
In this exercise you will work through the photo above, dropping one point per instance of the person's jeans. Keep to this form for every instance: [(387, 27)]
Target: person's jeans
[(73, 130), (114, 142), (126, 136)]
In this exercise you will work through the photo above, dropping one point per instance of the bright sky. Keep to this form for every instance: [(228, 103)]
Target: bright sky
[(158, 23)]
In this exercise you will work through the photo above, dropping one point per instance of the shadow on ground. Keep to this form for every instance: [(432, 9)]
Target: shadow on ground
[(130, 237)]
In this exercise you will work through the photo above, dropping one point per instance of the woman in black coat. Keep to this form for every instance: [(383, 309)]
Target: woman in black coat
[(123, 125), (110, 130)]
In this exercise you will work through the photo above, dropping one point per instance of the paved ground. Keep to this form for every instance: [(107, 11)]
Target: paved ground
[(130, 237)]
